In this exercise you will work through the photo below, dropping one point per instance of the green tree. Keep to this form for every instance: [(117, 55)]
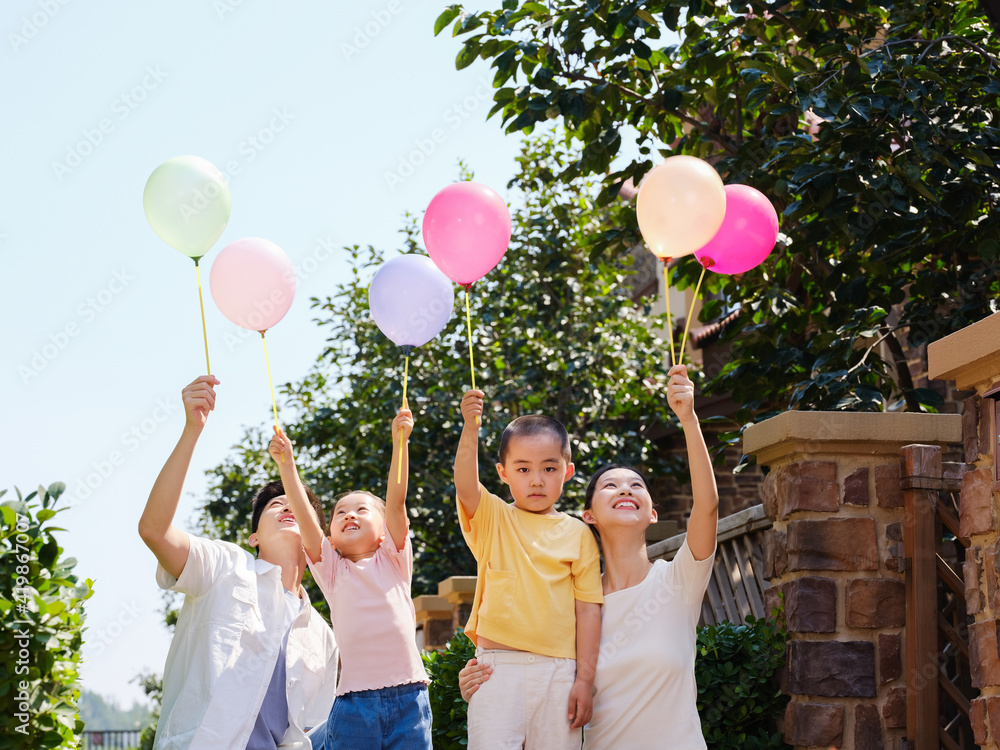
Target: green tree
[(554, 331), (41, 603), (871, 126)]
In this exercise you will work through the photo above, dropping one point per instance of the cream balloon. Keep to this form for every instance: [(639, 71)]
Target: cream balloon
[(681, 205)]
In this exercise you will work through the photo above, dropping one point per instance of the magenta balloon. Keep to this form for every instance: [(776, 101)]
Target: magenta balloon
[(466, 231), (410, 299), (747, 235), (253, 283)]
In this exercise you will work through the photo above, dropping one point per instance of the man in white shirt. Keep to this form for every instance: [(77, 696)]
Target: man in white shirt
[(252, 665)]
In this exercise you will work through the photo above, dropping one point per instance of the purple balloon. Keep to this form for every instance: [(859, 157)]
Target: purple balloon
[(410, 299), (747, 235)]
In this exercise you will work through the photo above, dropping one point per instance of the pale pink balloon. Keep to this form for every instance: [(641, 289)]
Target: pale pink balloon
[(747, 235), (466, 231), (680, 206), (253, 283)]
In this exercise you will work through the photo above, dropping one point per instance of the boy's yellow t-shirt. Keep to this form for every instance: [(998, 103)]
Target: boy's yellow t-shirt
[(532, 568)]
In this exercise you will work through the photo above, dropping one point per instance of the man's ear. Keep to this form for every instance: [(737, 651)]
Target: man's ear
[(502, 473), (252, 541), (570, 471)]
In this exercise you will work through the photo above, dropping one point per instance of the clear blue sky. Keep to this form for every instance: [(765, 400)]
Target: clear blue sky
[(319, 109)]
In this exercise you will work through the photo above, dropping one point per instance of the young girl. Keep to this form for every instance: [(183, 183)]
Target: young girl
[(364, 569)]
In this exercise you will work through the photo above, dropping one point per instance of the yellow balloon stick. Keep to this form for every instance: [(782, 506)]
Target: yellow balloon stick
[(406, 376), (201, 303), (274, 404), (666, 297), (687, 322), (468, 323)]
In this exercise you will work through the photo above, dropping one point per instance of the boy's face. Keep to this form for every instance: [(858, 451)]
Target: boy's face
[(357, 526), (535, 471)]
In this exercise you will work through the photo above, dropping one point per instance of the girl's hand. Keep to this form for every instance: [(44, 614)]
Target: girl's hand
[(199, 400), (473, 675), (680, 393), (281, 449), (472, 406), (404, 422)]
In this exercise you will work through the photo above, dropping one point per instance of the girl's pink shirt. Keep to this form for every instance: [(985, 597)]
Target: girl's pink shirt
[(372, 616)]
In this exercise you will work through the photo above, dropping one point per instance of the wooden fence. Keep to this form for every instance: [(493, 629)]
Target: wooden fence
[(736, 589), (111, 738)]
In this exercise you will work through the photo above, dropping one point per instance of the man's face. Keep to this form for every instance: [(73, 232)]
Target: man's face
[(276, 523), (535, 471)]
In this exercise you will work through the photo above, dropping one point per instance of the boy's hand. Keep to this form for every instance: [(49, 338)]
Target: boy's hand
[(404, 422), (472, 407), (581, 704), (680, 393), (281, 449), (199, 400)]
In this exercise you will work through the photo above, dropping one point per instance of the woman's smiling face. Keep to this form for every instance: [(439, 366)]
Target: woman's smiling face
[(620, 498)]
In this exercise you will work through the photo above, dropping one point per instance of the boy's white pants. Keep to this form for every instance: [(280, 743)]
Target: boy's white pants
[(524, 703)]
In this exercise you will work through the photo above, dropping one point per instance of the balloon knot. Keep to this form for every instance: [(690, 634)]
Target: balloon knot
[(407, 350), (707, 262)]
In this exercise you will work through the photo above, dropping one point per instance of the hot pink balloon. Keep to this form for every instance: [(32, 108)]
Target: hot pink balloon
[(253, 283), (466, 231), (747, 235)]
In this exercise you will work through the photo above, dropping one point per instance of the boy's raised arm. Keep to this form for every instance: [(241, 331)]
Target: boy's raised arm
[(156, 525), (467, 457), (310, 531), (395, 495)]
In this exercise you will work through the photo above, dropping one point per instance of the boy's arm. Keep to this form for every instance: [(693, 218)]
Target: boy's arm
[(703, 523), (309, 529), (588, 642), (467, 458), (395, 496), (156, 525)]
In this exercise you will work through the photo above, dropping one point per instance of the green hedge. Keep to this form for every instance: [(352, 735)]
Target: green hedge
[(736, 671), (42, 627)]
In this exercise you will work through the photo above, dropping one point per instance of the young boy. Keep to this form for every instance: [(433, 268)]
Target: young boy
[(536, 616)]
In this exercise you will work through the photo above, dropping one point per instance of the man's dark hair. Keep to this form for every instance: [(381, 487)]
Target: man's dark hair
[(530, 425), (588, 496), (274, 489)]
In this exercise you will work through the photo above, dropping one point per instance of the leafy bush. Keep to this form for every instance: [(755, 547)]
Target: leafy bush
[(450, 727), (736, 672), (42, 632)]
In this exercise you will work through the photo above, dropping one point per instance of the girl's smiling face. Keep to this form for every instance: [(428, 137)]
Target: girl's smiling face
[(357, 525), (620, 498)]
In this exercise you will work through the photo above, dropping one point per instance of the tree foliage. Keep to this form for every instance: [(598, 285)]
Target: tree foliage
[(41, 603), (871, 126), (554, 332)]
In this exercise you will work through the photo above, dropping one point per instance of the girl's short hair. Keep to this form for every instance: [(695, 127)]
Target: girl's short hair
[(378, 502), (588, 498)]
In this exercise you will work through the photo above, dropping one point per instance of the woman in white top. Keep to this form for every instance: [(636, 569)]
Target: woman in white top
[(645, 694)]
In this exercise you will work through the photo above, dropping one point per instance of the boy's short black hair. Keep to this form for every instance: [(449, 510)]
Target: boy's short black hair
[(274, 489), (534, 424)]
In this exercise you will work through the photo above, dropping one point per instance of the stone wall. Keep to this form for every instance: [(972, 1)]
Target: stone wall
[(833, 493), (971, 358)]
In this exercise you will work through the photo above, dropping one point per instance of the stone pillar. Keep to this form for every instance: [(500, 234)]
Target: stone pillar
[(434, 619), (459, 591), (834, 496), (971, 357)]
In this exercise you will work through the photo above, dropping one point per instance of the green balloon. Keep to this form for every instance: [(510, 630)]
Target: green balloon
[(187, 203)]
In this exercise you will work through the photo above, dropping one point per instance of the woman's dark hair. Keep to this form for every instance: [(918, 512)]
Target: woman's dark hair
[(588, 497)]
